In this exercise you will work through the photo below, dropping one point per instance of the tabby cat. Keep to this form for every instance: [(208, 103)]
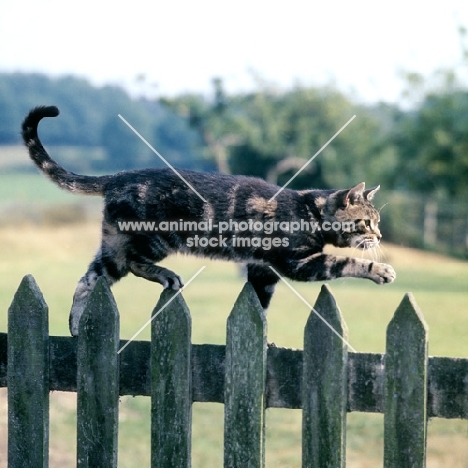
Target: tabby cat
[(151, 213)]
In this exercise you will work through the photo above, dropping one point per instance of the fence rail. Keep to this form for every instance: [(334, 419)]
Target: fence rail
[(325, 380)]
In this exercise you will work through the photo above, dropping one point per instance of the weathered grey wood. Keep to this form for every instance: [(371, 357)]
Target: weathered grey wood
[(244, 400), (366, 382), (284, 378), (324, 386), (3, 359), (447, 379), (63, 370), (208, 373), (28, 378), (405, 417), (171, 393), (98, 381), (135, 368), (324, 379), (448, 388)]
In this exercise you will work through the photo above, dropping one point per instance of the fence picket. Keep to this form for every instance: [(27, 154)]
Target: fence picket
[(171, 395), (324, 386), (98, 381), (406, 360), (404, 384), (28, 378), (244, 397)]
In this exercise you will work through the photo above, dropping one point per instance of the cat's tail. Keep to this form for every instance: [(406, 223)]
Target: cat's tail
[(90, 185)]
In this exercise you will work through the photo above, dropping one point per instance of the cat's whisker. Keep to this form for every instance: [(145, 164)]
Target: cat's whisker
[(361, 249), (382, 207), (382, 252), (357, 246), (355, 251), (376, 253), (373, 253)]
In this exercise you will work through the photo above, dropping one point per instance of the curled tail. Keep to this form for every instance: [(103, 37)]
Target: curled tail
[(67, 180)]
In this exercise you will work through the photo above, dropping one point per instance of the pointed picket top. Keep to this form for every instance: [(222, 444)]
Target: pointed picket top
[(171, 387), (408, 322), (245, 376), (28, 314), (408, 310), (406, 373), (171, 320), (171, 303), (246, 324), (324, 384), (28, 377), (101, 310), (28, 297), (248, 301), (326, 317), (98, 380)]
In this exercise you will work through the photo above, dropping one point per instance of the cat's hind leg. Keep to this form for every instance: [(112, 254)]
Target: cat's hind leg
[(263, 281), (102, 265)]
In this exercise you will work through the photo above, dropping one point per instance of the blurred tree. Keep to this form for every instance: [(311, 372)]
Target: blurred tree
[(9, 131), (287, 129), (272, 135), (431, 138), (89, 118), (211, 119), (433, 145), (178, 142)]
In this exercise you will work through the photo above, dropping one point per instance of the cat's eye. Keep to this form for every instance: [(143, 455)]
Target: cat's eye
[(367, 222)]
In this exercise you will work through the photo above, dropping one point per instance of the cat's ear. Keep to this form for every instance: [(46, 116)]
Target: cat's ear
[(342, 198), (354, 194), (369, 193)]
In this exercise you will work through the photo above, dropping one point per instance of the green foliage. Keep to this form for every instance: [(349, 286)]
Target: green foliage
[(268, 133), (433, 145), (211, 121), (272, 134), (431, 139), (89, 118)]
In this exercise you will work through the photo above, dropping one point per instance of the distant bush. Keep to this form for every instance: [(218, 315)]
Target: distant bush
[(89, 118)]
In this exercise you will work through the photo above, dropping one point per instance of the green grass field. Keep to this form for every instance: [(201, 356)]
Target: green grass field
[(58, 256), (25, 188)]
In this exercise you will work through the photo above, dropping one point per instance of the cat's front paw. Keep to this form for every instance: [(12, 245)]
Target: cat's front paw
[(172, 281), (382, 273)]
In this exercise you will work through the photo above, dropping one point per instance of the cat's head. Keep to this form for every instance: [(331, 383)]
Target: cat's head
[(351, 219)]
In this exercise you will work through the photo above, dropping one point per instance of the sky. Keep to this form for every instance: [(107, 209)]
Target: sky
[(361, 47)]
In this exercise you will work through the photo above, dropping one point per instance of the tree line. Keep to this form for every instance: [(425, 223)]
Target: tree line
[(421, 150), (268, 133), (89, 118)]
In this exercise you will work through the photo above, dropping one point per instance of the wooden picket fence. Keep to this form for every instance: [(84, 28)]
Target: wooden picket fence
[(248, 376)]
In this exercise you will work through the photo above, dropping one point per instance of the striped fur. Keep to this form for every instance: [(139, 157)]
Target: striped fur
[(161, 196)]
